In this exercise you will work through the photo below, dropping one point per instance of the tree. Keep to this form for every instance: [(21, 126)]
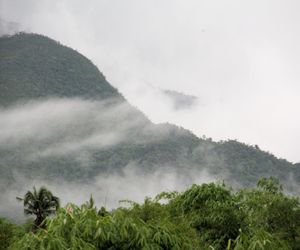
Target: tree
[(82, 228), (211, 210), (271, 214), (41, 203), (270, 184)]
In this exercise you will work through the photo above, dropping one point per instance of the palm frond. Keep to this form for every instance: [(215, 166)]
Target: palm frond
[(19, 198), (41, 203)]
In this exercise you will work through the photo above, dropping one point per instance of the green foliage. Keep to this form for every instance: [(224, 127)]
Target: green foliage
[(9, 233), (34, 66), (207, 216), (271, 185), (6, 233), (210, 209), (268, 209), (148, 211), (41, 203), (259, 240), (82, 228), (155, 213)]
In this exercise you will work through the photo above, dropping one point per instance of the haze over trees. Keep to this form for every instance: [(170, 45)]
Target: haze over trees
[(62, 121), (40, 76)]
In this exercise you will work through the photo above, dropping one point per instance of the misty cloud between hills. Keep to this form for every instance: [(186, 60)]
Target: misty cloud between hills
[(107, 190), (39, 131)]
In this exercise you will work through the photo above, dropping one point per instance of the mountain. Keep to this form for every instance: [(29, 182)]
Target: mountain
[(34, 67), (181, 101), (60, 118)]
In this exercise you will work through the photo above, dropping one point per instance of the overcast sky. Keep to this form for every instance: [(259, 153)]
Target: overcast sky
[(241, 58)]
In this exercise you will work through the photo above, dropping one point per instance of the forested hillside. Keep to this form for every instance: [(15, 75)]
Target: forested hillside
[(33, 66), (72, 124)]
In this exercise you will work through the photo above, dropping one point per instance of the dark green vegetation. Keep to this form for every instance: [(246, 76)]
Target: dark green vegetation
[(207, 216), (34, 67)]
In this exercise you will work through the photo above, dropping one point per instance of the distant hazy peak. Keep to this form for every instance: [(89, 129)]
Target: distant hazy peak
[(181, 100)]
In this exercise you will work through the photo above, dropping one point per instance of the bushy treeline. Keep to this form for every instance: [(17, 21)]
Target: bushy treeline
[(207, 216)]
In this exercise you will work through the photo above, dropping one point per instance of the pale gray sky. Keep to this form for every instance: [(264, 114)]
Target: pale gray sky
[(241, 58)]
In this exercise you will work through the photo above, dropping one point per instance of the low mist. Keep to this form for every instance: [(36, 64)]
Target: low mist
[(74, 128), (107, 190), (240, 58)]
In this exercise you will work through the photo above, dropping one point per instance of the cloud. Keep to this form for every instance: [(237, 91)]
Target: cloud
[(240, 59), (8, 28), (44, 130), (106, 189), (39, 131), (62, 126)]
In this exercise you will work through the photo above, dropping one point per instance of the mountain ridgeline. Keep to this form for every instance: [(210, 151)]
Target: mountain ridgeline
[(34, 66), (74, 125)]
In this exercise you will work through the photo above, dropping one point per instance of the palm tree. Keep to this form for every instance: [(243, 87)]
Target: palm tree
[(41, 203)]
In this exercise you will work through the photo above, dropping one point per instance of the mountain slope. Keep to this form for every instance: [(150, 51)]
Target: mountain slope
[(33, 66), (62, 119)]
